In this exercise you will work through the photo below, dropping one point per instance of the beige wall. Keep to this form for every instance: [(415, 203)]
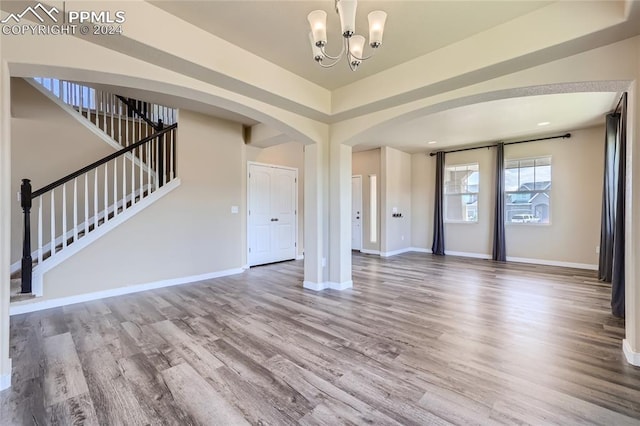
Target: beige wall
[(574, 231), (191, 231), (366, 164), (396, 194), (289, 154), (47, 144)]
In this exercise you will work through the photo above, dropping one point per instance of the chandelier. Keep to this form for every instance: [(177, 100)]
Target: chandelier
[(353, 46)]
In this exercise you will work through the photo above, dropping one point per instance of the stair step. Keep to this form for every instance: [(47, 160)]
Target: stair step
[(15, 295)]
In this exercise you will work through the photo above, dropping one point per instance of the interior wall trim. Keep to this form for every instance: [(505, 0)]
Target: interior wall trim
[(633, 357), (37, 305)]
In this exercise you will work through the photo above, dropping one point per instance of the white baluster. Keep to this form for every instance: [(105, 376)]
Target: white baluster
[(171, 147), (149, 163), (53, 222), (75, 210), (106, 193), (112, 100), (115, 187), (98, 98), (126, 127), (104, 111), (124, 182), (133, 176), (64, 215), (95, 198), (81, 95), (120, 123), (40, 200), (86, 203), (141, 165)]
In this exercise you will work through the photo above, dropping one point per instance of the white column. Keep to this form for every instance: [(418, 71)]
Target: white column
[(316, 222), (5, 222), (631, 343), (340, 217), (327, 217)]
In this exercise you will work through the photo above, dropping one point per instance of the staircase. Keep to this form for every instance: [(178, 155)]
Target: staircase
[(76, 209)]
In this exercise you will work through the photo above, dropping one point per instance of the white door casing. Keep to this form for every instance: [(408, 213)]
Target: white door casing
[(272, 213), (356, 212)]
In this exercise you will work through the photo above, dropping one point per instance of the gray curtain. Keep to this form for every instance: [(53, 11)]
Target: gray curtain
[(499, 249), (611, 264), (438, 210)]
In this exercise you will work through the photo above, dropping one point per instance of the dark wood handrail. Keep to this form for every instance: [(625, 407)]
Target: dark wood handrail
[(100, 162), (134, 108)]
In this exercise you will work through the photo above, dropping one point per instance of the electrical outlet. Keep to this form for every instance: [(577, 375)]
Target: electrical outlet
[(597, 249), (324, 262), (402, 238)]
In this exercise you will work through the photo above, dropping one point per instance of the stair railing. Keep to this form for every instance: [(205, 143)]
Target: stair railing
[(125, 120), (84, 200)]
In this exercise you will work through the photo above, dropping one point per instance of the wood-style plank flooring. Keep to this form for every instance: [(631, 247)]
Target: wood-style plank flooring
[(420, 340)]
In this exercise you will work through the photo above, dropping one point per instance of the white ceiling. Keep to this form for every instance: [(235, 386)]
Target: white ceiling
[(278, 30), (493, 121)]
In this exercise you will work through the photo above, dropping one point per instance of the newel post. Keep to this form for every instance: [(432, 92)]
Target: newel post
[(27, 264), (160, 160)]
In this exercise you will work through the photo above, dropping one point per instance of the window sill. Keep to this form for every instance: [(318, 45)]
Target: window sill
[(527, 224), (461, 222)]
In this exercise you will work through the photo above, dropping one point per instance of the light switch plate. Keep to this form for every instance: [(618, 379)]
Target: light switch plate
[(235, 209)]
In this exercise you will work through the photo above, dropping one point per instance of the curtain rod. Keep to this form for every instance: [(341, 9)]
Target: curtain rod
[(565, 136)]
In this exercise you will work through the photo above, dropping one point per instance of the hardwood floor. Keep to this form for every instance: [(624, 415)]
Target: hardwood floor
[(419, 340)]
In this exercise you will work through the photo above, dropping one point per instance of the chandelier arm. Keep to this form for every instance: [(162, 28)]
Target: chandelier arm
[(354, 56), (332, 57), (329, 65)]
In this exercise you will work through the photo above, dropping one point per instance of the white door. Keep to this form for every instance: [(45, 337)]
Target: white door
[(356, 213), (272, 212)]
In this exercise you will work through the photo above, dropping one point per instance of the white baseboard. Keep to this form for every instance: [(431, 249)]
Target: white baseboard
[(300, 257), (421, 250), (633, 358), (327, 285), (35, 305), (367, 251), (395, 252), (468, 254), (553, 263), (5, 379)]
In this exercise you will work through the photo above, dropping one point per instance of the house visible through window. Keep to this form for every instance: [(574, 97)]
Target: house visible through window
[(528, 190), (461, 184)]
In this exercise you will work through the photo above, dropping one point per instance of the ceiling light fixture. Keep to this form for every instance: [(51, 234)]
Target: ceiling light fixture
[(544, 123), (353, 46), (432, 142)]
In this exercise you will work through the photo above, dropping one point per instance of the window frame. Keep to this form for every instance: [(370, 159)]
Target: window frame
[(547, 191), (447, 167)]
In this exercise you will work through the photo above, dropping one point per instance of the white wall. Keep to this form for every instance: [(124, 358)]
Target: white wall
[(574, 231), (289, 154), (191, 231), (365, 164), (396, 194)]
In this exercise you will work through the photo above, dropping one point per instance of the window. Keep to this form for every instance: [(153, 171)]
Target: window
[(461, 193), (527, 190), (70, 93)]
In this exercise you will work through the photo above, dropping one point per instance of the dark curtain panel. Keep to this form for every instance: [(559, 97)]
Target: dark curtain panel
[(438, 210), (611, 265), (605, 265), (499, 249)]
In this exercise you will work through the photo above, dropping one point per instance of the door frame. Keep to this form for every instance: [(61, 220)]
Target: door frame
[(361, 210), (248, 201)]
